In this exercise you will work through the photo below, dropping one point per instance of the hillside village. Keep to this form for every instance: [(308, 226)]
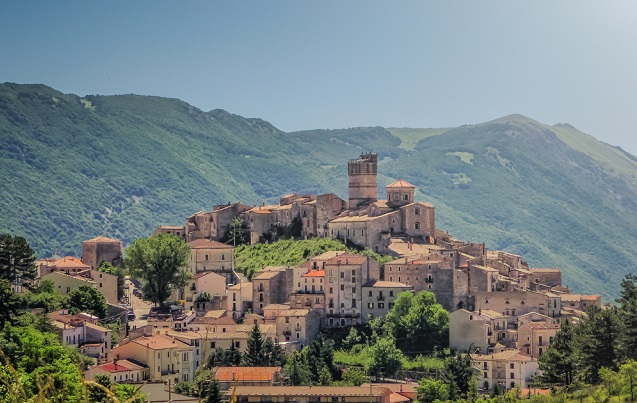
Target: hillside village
[(501, 309)]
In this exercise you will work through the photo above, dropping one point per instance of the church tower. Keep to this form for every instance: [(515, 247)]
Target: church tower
[(363, 188)]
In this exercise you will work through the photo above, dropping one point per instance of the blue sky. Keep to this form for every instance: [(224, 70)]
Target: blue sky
[(336, 64)]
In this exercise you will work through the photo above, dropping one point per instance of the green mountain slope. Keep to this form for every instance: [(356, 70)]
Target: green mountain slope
[(74, 168)]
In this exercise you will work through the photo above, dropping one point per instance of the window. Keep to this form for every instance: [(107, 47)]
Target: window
[(417, 225), (406, 197), (342, 275), (205, 257), (353, 290), (417, 211), (298, 335), (391, 293), (237, 344), (287, 319), (370, 293), (381, 305), (370, 305), (353, 272), (512, 375), (223, 257), (342, 304), (353, 302), (512, 365), (331, 290), (391, 305), (342, 287)]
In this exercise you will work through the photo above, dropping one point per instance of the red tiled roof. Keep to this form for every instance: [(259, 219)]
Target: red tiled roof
[(346, 258), (315, 273), (121, 366), (207, 244), (400, 184), (70, 261), (260, 211), (245, 374)]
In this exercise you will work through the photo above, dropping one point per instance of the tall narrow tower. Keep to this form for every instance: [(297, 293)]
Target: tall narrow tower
[(363, 188)]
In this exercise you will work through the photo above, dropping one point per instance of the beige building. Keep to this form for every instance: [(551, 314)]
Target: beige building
[(239, 299), (166, 357), (517, 303), (507, 368), (536, 333), (211, 256), (580, 302), (119, 371), (310, 394), (297, 327), (485, 331), (203, 282), (213, 322), (105, 283), (378, 297)]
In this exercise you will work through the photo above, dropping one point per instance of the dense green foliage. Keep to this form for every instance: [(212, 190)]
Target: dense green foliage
[(121, 165), (16, 260), (261, 351), (88, 299), (159, 260), (204, 386)]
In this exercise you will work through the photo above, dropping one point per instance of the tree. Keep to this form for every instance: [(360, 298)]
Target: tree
[(87, 299), (106, 267), (158, 260), (596, 343), (45, 296), (418, 323), (458, 374), (320, 354), (557, 363), (99, 392), (254, 355), (611, 381), (129, 393), (628, 314), (352, 339), (354, 377), (429, 391), (297, 370), (238, 233), (17, 260), (9, 303), (629, 372), (274, 353), (386, 358)]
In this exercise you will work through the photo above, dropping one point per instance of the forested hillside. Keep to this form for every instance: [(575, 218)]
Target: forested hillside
[(74, 168)]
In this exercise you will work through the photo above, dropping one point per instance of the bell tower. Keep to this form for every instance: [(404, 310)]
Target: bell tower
[(363, 187)]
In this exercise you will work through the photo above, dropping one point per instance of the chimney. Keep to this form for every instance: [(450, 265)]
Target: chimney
[(115, 362)]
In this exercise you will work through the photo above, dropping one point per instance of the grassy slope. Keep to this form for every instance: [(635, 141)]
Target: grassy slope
[(75, 168)]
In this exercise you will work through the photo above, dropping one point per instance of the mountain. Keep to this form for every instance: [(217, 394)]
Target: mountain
[(77, 167)]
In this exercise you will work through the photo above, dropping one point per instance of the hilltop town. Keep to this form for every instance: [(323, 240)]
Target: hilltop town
[(501, 310)]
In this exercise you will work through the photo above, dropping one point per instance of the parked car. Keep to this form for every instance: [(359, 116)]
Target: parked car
[(137, 292)]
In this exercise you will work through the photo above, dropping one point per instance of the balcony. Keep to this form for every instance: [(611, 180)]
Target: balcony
[(287, 332), (380, 298)]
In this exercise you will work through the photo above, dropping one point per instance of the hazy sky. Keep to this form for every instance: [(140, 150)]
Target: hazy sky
[(336, 64)]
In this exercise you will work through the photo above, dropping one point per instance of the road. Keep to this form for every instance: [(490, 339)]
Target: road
[(140, 307)]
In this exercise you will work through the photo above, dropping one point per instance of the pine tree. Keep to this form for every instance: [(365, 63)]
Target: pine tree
[(17, 260), (255, 353), (557, 363), (628, 314), (297, 370), (596, 343)]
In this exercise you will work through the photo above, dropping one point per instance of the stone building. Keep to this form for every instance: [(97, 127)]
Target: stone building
[(378, 297), (217, 257), (485, 331), (507, 369), (268, 287), (239, 299), (102, 249), (297, 327)]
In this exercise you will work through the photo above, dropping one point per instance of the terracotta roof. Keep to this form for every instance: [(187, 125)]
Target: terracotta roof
[(590, 297), (265, 275), (172, 227), (315, 273), (570, 297), (294, 312), (238, 286), (102, 239), (400, 184), (186, 335), (216, 313), (224, 320), (276, 306), (308, 391), (207, 244), (488, 313), (121, 366), (542, 325), (348, 259), (260, 211), (398, 398), (245, 374), (506, 355), (268, 328), (70, 261), (160, 342), (203, 274)]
